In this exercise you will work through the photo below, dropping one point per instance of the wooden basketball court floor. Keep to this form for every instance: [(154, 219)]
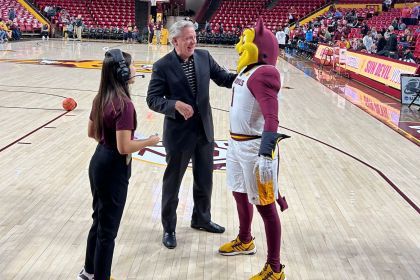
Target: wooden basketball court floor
[(353, 204)]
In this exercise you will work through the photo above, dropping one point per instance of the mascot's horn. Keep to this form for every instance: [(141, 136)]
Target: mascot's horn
[(259, 27)]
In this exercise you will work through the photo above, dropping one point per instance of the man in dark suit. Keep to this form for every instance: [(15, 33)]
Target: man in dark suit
[(179, 89)]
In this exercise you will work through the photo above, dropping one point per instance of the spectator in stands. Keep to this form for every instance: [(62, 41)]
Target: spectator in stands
[(11, 14), (325, 35), (373, 49), (3, 31), (135, 34), (287, 32), (45, 31), (390, 48), (79, 27), (355, 24), (401, 25), (364, 29), (51, 12), (281, 38), (338, 14), (355, 44), (158, 28), (406, 14), (386, 5), (3, 36), (6, 30), (195, 26), (206, 25), (151, 30), (238, 31), (394, 23), (310, 25), (208, 28), (408, 56), (129, 33), (374, 33), (309, 35), (407, 39), (360, 45), (291, 18), (368, 42), (415, 14), (14, 27), (352, 16), (380, 45), (46, 9), (68, 30), (344, 43)]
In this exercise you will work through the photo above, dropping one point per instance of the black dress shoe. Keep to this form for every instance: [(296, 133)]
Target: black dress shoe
[(169, 240), (210, 227)]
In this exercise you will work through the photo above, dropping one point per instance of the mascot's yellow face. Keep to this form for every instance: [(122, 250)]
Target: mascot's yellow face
[(247, 50)]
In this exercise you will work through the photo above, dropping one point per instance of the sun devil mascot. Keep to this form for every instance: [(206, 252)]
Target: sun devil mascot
[(252, 159)]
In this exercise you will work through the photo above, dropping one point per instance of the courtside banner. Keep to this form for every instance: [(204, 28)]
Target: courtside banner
[(382, 70)]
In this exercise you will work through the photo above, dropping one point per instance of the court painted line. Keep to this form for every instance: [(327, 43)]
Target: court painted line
[(32, 132)]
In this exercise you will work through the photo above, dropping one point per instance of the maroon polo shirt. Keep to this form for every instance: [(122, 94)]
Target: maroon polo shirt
[(116, 116)]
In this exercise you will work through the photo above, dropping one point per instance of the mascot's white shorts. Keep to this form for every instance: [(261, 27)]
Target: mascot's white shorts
[(240, 161)]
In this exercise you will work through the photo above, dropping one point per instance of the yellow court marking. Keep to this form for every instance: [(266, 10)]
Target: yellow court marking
[(141, 66)]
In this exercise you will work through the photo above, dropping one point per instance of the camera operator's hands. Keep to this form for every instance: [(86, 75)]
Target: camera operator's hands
[(184, 109)]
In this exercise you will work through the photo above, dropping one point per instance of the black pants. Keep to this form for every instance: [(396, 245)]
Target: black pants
[(108, 174), (202, 163)]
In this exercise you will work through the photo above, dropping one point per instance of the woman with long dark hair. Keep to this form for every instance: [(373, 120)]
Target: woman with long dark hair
[(112, 124)]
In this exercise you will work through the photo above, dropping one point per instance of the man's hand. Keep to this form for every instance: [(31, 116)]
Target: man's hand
[(265, 169), (184, 109)]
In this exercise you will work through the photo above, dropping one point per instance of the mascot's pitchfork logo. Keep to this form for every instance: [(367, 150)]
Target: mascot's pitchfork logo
[(157, 155)]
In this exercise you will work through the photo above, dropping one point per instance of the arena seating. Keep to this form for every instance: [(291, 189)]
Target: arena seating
[(278, 16), (103, 13), (384, 19), (25, 20), (233, 13), (107, 13), (244, 13)]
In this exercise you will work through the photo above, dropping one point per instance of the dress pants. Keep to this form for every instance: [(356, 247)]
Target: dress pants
[(202, 162), (108, 174)]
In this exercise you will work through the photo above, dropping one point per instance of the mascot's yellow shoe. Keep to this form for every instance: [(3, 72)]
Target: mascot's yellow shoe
[(268, 274), (237, 247)]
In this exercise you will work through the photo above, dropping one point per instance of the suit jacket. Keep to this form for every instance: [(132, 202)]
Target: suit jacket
[(169, 84)]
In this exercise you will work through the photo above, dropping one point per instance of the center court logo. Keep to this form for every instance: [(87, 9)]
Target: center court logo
[(157, 155)]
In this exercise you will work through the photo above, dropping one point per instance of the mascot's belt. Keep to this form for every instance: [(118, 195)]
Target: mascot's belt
[(242, 137)]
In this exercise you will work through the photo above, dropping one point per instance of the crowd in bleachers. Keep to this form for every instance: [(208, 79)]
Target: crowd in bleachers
[(360, 30), (9, 30), (14, 20)]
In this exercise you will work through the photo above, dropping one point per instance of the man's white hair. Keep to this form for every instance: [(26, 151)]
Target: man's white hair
[(176, 29)]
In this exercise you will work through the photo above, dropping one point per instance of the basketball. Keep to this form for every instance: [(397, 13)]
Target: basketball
[(69, 104)]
